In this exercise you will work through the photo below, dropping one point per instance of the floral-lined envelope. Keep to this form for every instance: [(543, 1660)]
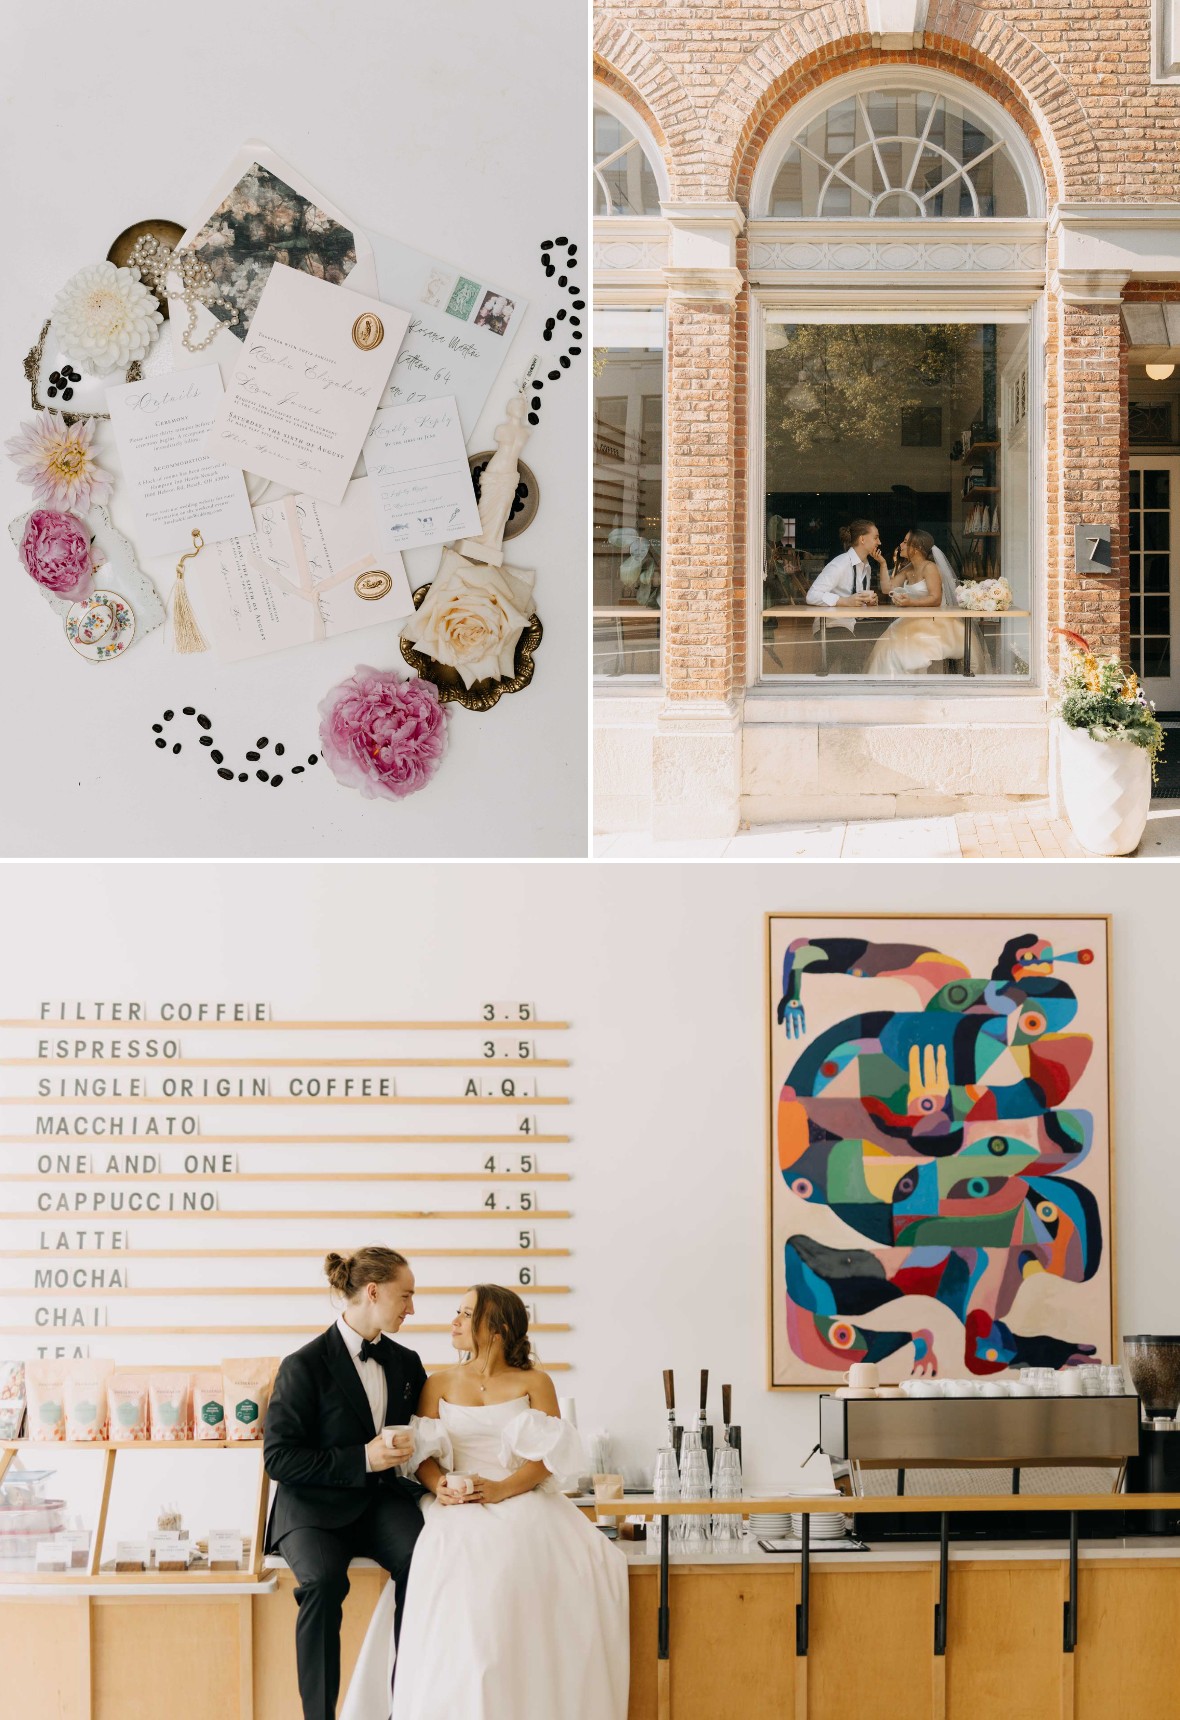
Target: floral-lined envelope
[(261, 212), (308, 572)]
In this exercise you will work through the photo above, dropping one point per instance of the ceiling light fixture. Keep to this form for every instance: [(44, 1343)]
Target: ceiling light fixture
[(1160, 372)]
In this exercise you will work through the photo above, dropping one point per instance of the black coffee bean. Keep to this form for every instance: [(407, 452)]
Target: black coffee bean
[(176, 748), (204, 722), (547, 334), (157, 728), (554, 375), (564, 362), (263, 742), (190, 711), (575, 351), (217, 757), (535, 402), (546, 244), (297, 770), (275, 781), (55, 376), (52, 393), (206, 740), (579, 304), (226, 775), (561, 314), (168, 716), (243, 776), (313, 758), (161, 743), (262, 775), (533, 418), (253, 757), (539, 384), (575, 322), (67, 394), (280, 749)]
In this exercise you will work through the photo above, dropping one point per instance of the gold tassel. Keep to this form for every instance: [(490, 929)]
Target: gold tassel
[(186, 634)]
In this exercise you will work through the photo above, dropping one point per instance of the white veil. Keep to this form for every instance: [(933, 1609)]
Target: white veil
[(950, 588)]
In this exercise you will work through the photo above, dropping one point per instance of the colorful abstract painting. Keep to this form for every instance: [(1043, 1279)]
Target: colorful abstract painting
[(940, 1178)]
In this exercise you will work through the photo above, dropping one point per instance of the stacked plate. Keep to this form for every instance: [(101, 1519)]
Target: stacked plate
[(825, 1525), (772, 1524)]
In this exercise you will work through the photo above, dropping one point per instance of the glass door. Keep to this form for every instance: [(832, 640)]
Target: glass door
[(1155, 576)]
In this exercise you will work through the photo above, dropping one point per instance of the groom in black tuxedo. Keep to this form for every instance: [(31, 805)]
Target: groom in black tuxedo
[(339, 1496)]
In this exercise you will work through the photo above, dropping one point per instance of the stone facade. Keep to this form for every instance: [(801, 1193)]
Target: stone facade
[(711, 82)]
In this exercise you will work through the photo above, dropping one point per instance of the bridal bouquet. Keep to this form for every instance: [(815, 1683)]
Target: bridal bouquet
[(986, 594)]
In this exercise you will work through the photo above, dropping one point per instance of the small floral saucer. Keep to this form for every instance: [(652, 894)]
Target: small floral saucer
[(100, 626)]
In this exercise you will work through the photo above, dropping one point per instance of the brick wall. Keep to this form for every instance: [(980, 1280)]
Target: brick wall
[(713, 80)]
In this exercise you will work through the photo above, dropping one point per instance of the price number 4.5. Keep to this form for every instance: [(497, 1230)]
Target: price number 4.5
[(526, 1164), (524, 1201)]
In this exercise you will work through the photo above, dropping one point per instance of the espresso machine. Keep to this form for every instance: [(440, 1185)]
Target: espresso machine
[(1154, 1366), (976, 1445)]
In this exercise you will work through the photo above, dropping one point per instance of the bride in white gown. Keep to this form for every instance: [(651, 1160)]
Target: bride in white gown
[(517, 1607), (927, 584)]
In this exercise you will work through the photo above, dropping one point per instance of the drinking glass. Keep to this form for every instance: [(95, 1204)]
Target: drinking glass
[(727, 1484), (665, 1485), (694, 1484)]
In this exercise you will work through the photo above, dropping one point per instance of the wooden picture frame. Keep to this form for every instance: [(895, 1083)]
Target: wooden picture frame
[(940, 1189)]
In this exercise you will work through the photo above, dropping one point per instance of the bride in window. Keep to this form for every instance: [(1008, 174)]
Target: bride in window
[(924, 581)]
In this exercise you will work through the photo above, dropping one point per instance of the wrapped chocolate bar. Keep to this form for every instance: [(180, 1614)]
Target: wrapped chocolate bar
[(85, 1394), (12, 1399), (208, 1405), (127, 1407), (44, 1382), (168, 1396), (246, 1383)]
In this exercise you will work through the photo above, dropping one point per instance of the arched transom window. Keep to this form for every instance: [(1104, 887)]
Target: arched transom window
[(625, 181), (901, 153)]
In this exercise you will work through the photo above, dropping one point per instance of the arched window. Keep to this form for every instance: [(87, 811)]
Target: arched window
[(917, 148), (629, 177)]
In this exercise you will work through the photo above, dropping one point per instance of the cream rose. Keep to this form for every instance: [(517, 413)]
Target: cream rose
[(472, 617)]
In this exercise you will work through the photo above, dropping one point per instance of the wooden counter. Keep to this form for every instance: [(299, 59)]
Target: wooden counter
[(139, 1655)]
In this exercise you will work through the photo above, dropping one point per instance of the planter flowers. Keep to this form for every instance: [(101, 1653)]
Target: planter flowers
[(1110, 743)]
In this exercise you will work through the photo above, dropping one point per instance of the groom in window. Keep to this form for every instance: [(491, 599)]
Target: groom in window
[(339, 1494)]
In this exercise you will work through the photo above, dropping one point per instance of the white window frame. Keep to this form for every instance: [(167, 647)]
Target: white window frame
[(619, 109), (879, 80), (638, 686), (891, 303), (1165, 42)]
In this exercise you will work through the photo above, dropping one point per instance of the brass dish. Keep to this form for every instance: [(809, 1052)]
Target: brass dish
[(526, 500), (169, 233), (483, 694)]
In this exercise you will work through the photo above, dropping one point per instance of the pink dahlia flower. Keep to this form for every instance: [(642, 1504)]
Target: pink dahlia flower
[(382, 735), (55, 549), (57, 459)]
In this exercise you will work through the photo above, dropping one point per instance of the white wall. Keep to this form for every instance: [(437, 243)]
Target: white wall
[(659, 968)]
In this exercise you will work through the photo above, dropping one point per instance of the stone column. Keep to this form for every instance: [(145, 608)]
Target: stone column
[(696, 763)]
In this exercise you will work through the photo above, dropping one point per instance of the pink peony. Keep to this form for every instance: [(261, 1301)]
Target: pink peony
[(56, 552), (382, 735), (57, 459)]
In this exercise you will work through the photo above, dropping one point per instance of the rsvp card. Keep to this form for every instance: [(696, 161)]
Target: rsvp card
[(160, 429), (313, 367), (421, 482)]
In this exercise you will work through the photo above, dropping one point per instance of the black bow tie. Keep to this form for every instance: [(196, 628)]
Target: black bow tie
[(370, 1352)]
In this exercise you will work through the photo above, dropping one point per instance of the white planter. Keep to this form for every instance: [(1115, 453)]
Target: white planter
[(1106, 789)]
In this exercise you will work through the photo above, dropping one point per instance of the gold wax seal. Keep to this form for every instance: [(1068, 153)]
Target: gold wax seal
[(372, 585), (368, 331)]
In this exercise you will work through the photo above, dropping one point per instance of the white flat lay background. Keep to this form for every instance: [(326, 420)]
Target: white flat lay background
[(455, 127)]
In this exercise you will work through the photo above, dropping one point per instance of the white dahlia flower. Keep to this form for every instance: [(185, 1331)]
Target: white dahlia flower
[(104, 318)]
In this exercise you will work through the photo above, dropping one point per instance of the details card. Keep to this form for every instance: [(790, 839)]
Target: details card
[(420, 480), (161, 428), (314, 363)]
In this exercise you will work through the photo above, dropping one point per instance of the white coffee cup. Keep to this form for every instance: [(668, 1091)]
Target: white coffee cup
[(993, 1389), (1070, 1383), (460, 1484), (389, 1434), (961, 1388), (926, 1389), (1021, 1388), (863, 1376)]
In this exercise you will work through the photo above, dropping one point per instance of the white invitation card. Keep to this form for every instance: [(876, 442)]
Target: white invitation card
[(312, 369), (421, 483), (307, 571), (161, 428), (461, 327)]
